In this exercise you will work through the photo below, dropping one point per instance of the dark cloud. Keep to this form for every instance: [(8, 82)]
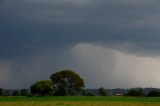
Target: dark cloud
[(61, 22), (28, 28), (1, 1)]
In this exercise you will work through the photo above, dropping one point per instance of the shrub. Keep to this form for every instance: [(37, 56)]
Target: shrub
[(135, 92), (153, 94)]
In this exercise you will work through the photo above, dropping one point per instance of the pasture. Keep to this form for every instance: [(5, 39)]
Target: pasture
[(79, 101)]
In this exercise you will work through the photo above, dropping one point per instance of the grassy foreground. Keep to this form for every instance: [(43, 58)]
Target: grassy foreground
[(78, 104), (78, 101)]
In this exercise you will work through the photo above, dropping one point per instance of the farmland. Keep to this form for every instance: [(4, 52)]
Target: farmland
[(79, 101)]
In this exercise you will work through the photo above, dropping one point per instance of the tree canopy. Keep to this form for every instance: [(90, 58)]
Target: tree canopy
[(67, 82)]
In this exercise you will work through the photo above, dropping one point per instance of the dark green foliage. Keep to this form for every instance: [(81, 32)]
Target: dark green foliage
[(24, 92), (1, 92), (42, 88), (135, 92), (101, 91), (84, 92), (89, 94), (153, 94), (16, 93), (67, 82)]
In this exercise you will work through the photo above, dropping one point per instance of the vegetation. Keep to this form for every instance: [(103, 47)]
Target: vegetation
[(101, 91), (42, 88), (62, 83), (1, 92), (57, 103), (67, 82), (86, 93), (89, 94), (24, 92), (79, 99), (16, 93), (153, 94), (135, 92)]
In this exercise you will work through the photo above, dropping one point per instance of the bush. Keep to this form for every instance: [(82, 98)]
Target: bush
[(135, 92), (153, 94), (42, 88), (89, 94), (85, 93), (101, 91), (16, 93), (1, 92), (24, 92)]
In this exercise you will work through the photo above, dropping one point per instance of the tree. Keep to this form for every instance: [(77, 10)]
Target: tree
[(67, 82), (16, 93), (89, 94), (24, 92), (101, 91), (135, 92), (42, 88), (1, 92), (153, 94), (86, 93)]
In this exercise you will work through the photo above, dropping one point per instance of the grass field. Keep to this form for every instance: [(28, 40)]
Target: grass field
[(79, 101)]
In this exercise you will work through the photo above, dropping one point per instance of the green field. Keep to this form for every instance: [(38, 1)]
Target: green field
[(79, 101)]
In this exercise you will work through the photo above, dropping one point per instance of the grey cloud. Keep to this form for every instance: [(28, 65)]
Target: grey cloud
[(98, 65), (102, 66), (1, 1), (30, 27), (22, 72)]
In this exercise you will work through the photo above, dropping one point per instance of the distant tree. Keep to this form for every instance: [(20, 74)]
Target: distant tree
[(153, 94), (24, 92), (89, 94), (16, 93), (84, 92), (101, 91), (135, 92), (1, 92), (42, 88), (67, 82)]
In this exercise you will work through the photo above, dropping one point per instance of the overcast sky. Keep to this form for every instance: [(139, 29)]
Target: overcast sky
[(110, 43)]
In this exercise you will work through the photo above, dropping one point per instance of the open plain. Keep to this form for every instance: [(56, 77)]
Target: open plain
[(79, 101)]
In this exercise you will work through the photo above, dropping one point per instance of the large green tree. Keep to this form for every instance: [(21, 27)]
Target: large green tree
[(42, 88), (67, 82)]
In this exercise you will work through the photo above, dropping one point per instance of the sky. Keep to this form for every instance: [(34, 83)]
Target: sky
[(109, 43)]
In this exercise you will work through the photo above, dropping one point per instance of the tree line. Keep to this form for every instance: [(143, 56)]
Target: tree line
[(69, 83)]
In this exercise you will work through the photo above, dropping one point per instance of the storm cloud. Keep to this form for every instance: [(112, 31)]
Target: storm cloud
[(116, 42)]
